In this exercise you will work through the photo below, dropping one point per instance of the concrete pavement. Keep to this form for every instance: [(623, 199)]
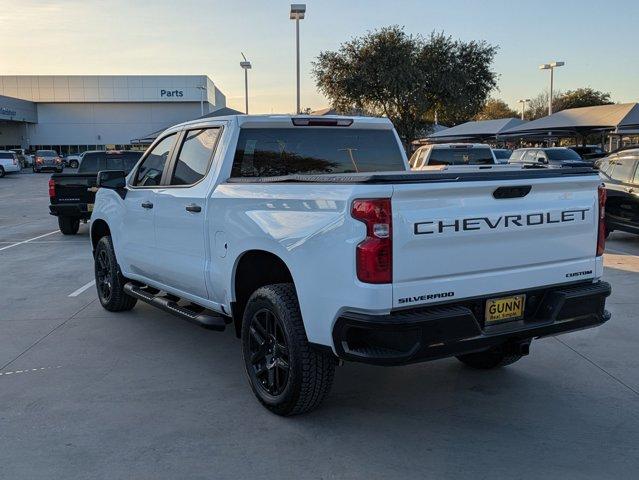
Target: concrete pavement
[(85, 393)]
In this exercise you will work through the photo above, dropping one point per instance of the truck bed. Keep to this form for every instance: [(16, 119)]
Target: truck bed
[(495, 172)]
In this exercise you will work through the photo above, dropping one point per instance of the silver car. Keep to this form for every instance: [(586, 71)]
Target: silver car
[(47, 160)]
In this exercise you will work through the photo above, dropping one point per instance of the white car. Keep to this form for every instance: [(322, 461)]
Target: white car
[(8, 162), (73, 161), (310, 237), (452, 154)]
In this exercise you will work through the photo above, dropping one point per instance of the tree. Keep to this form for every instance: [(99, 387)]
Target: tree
[(495, 109), (538, 106), (582, 97), (407, 77)]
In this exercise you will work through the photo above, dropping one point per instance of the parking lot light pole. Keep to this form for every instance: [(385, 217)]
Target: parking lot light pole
[(201, 88), (551, 66), (298, 10), (246, 65), (523, 102)]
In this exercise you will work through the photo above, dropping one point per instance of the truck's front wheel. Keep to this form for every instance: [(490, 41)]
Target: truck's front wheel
[(69, 225), (108, 279), (287, 376)]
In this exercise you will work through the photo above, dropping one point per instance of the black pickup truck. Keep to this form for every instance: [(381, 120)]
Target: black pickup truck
[(72, 194)]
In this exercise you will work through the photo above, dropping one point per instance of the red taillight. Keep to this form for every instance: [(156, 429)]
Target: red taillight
[(51, 188), (374, 255), (601, 234)]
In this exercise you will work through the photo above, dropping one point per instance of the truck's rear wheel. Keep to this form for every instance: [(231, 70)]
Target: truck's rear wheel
[(69, 225), (491, 358), (108, 279), (287, 376)]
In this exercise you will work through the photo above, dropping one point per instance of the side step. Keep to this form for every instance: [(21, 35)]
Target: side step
[(210, 322)]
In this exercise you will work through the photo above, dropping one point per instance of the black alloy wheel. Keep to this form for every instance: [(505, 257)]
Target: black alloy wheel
[(103, 274), (269, 354)]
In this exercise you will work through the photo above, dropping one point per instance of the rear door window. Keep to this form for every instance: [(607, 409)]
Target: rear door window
[(150, 171), (196, 152), (624, 169)]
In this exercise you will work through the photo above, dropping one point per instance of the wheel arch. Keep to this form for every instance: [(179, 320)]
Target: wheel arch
[(253, 269), (99, 229)]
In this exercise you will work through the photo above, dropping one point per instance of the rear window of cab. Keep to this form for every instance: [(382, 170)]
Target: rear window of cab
[(272, 152)]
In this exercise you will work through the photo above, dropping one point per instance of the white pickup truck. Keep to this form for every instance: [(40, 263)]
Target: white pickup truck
[(310, 236)]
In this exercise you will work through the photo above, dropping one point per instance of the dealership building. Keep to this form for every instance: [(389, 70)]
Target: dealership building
[(72, 114)]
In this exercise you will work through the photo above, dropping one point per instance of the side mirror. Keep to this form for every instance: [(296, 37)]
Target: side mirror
[(113, 179), (541, 160)]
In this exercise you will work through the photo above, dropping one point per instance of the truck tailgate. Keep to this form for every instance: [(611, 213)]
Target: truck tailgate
[(463, 239), (73, 188)]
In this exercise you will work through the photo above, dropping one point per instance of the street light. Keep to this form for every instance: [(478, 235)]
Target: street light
[(245, 65), (523, 102), (551, 66), (201, 88), (298, 10)]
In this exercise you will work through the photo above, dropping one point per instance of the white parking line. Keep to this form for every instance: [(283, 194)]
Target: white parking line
[(82, 289), (29, 240), (28, 370)]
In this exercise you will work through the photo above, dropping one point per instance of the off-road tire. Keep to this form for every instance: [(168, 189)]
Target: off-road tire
[(116, 300), (69, 225), (488, 359), (310, 374)]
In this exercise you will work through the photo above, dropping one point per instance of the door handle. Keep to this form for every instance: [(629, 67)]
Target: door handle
[(192, 207), (146, 204)]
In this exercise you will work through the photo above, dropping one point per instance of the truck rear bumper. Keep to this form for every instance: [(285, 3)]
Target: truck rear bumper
[(429, 333), (77, 210)]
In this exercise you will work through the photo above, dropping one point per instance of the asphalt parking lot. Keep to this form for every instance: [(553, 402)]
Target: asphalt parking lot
[(85, 393)]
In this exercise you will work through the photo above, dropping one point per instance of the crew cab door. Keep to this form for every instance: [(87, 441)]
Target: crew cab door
[(138, 246), (181, 211)]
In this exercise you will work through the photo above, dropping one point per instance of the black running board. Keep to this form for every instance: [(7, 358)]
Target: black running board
[(210, 322)]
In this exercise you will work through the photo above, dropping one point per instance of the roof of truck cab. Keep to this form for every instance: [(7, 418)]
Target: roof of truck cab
[(459, 145), (275, 121)]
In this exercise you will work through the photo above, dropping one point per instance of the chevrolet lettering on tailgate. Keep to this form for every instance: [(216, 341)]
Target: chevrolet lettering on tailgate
[(505, 221)]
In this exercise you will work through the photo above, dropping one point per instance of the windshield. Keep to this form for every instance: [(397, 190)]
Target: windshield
[(461, 156), (46, 153), (561, 154), (264, 152)]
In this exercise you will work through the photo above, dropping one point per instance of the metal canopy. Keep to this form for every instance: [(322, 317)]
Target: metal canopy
[(617, 117), (478, 130)]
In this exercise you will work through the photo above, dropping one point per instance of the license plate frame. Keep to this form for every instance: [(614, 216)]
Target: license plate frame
[(513, 308)]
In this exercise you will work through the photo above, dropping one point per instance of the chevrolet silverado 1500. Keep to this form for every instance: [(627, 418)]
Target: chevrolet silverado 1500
[(313, 240)]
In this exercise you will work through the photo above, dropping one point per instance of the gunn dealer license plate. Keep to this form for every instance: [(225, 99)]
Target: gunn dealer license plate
[(505, 309)]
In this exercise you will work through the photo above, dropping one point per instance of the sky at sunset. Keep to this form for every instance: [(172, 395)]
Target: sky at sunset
[(597, 41)]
